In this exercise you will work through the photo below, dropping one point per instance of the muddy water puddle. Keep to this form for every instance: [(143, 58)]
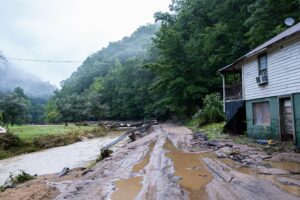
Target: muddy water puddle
[(141, 165), (192, 171), (289, 166), (128, 189)]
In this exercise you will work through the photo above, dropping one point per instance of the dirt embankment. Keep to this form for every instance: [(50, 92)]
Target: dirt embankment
[(169, 164)]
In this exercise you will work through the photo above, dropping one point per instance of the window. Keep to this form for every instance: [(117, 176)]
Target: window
[(262, 65), (261, 113)]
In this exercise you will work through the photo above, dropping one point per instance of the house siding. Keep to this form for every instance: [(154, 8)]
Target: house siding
[(283, 73), (263, 132)]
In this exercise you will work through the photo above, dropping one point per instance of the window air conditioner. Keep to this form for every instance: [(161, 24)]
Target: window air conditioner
[(260, 80)]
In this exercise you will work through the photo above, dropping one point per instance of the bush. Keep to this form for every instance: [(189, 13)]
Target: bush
[(19, 178), (8, 141), (14, 180), (212, 110)]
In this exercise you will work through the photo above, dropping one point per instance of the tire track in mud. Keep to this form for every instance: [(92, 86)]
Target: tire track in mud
[(157, 173), (193, 172), (170, 173)]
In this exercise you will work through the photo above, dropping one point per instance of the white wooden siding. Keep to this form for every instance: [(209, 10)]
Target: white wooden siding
[(283, 73)]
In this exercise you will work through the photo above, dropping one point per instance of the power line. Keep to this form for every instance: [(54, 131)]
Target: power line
[(49, 61)]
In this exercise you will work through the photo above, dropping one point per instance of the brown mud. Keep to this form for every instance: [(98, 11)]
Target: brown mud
[(285, 165), (43, 187), (141, 165), (161, 166), (128, 189), (193, 173)]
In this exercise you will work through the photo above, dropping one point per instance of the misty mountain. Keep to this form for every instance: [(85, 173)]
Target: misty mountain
[(11, 77)]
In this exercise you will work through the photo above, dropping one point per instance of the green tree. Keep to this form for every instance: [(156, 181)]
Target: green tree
[(267, 18), (14, 107), (197, 37), (52, 114)]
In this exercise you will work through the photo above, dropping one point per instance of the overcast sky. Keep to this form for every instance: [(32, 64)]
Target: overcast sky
[(67, 30)]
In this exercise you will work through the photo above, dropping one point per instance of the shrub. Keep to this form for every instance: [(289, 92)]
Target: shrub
[(16, 179), (19, 178), (8, 141), (212, 110)]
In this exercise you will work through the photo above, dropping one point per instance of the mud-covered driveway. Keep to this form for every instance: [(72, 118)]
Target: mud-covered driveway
[(159, 166), (164, 165)]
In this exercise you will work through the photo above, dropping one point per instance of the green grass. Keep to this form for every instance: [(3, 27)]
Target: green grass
[(30, 132), (213, 131), (31, 138)]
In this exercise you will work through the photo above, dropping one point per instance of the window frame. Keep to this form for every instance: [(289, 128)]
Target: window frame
[(264, 71)]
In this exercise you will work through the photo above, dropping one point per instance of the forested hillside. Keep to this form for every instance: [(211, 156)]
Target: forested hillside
[(198, 37), (111, 83), (169, 68)]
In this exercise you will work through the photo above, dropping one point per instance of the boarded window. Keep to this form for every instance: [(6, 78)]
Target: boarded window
[(261, 113), (262, 65)]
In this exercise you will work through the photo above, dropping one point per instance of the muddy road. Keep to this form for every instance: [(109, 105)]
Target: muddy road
[(166, 164)]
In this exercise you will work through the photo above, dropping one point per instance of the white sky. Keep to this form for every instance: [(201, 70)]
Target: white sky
[(67, 30)]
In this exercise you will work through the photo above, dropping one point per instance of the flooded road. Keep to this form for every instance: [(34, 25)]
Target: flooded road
[(55, 159), (163, 165)]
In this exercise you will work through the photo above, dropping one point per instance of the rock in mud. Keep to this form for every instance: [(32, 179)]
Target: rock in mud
[(200, 136), (226, 151), (64, 172)]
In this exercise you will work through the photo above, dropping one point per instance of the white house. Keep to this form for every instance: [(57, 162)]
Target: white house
[(262, 88)]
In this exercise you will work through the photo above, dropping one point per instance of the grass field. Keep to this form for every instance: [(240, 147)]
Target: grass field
[(30, 132), (30, 138)]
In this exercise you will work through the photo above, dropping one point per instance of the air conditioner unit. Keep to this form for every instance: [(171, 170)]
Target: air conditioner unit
[(260, 80)]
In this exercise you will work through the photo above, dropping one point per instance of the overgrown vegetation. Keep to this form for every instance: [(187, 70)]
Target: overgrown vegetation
[(25, 139), (212, 110), (213, 131)]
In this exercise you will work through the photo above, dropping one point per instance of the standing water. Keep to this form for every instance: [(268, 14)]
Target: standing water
[(55, 159)]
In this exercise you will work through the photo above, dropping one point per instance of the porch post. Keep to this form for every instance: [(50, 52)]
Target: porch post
[(224, 93)]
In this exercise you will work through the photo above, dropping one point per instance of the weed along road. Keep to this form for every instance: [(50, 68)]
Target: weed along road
[(166, 164)]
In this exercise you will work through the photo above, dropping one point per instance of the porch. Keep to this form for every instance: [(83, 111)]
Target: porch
[(232, 83)]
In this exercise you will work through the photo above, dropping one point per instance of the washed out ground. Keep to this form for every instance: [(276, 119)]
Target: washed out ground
[(170, 164)]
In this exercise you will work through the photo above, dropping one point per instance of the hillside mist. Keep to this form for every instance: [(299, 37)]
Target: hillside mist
[(12, 77)]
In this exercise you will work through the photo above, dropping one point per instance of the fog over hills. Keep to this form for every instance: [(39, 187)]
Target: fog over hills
[(12, 77)]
